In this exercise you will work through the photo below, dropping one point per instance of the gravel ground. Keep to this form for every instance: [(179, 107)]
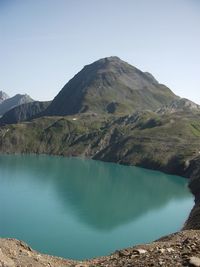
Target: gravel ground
[(179, 249)]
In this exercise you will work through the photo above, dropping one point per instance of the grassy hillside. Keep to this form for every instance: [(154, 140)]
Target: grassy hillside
[(164, 142)]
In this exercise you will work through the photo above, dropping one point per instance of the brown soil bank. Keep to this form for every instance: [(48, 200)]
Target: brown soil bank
[(179, 249)]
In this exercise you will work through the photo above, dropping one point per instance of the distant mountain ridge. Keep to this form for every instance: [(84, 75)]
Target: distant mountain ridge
[(107, 86), (24, 112), (3, 96), (110, 85), (14, 101)]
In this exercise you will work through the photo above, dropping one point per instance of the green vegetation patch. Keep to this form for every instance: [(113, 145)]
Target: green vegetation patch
[(195, 127)]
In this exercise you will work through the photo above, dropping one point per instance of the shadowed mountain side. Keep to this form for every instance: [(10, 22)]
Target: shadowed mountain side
[(110, 85), (14, 101), (24, 112), (193, 172), (82, 183)]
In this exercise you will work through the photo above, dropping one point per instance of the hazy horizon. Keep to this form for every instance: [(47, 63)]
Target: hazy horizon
[(45, 43)]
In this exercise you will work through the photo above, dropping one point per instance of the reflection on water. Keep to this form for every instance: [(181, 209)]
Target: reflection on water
[(94, 206)]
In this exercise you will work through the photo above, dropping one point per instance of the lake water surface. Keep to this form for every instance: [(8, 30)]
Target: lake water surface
[(79, 208)]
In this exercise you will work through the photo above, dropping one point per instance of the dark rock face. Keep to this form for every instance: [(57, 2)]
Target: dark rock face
[(110, 85), (14, 101), (193, 172), (23, 112)]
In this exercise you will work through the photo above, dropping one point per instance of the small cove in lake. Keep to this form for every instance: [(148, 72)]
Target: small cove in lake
[(78, 208)]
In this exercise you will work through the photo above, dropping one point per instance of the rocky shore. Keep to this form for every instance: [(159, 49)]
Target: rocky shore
[(179, 249)]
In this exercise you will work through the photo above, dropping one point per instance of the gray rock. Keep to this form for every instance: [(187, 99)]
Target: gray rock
[(195, 261)]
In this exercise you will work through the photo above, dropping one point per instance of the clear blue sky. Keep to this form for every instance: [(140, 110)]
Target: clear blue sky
[(44, 43)]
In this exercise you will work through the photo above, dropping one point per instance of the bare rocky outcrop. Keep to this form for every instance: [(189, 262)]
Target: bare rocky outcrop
[(15, 253), (181, 104), (193, 172)]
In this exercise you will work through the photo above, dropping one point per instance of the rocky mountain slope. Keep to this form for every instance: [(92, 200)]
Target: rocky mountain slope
[(181, 104), (3, 96), (14, 101), (110, 85), (23, 112), (193, 172)]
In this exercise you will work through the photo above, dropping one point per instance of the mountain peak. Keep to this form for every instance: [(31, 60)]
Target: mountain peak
[(14, 101), (114, 65), (110, 59), (105, 63), (110, 85), (3, 96)]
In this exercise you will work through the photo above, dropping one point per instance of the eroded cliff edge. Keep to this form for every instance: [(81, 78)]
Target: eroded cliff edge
[(193, 172)]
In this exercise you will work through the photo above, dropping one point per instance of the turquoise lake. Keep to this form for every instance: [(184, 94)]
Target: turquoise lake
[(77, 208)]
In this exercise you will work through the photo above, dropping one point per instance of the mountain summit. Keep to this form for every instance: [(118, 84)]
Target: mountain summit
[(110, 85), (9, 103), (3, 96)]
